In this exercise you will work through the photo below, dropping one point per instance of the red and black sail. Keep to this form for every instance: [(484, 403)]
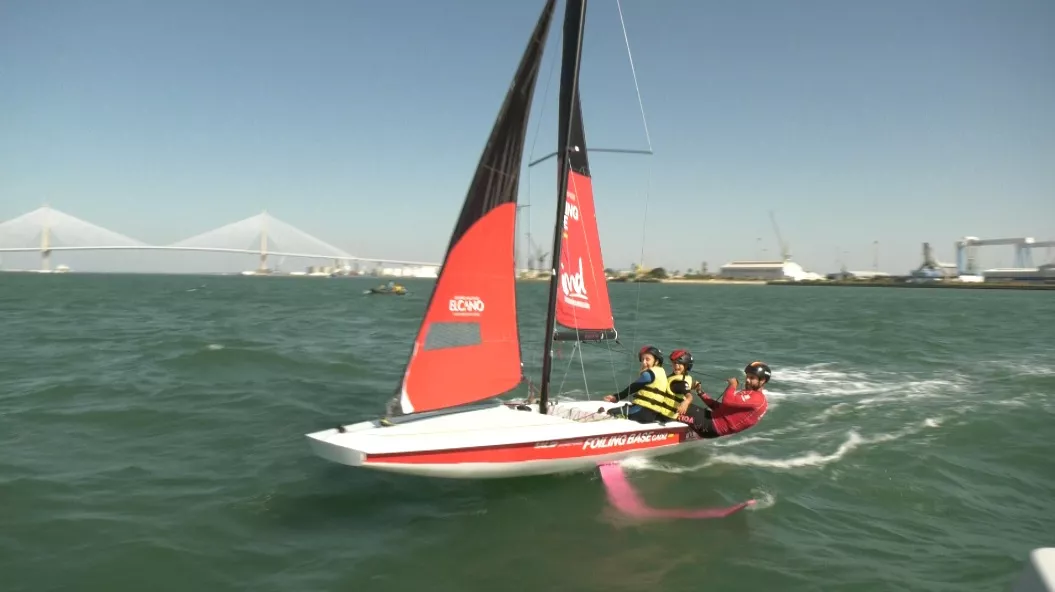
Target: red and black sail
[(468, 347)]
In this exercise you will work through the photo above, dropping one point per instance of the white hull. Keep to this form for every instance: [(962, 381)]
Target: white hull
[(500, 441)]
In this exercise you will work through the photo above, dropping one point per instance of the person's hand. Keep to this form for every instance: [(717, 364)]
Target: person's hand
[(733, 382), (685, 403), (610, 398)]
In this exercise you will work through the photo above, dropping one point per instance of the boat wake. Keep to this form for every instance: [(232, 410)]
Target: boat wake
[(763, 501), (825, 434), (811, 458)]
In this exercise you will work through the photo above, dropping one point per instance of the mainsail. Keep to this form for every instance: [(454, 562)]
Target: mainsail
[(468, 347)]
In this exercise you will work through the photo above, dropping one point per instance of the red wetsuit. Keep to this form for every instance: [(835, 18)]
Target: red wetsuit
[(736, 412)]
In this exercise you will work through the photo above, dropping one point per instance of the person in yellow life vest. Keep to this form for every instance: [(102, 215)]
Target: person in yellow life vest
[(680, 383), (650, 399)]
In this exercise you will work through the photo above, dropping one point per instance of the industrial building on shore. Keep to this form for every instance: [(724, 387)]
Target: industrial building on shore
[(964, 271), (858, 275), (1043, 274), (767, 270), (783, 269), (966, 268)]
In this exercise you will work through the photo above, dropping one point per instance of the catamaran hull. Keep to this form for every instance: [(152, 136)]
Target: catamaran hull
[(489, 470), (500, 442)]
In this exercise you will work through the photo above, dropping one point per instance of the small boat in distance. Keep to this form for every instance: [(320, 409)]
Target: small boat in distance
[(390, 289)]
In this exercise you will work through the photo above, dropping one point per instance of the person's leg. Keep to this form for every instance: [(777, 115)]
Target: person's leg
[(699, 419), (635, 413), (643, 415)]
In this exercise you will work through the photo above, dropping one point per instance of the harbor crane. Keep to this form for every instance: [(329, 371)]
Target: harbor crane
[(785, 253), (967, 251)]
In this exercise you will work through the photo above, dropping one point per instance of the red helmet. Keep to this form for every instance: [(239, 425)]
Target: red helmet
[(651, 349), (681, 356)]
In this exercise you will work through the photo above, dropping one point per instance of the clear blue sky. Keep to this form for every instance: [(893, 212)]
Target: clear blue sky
[(899, 121)]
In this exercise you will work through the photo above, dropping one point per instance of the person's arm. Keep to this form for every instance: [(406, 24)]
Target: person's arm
[(729, 390), (707, 400), (646, 377)]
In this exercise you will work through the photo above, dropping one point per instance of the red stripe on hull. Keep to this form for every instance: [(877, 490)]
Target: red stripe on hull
[(531, 451)]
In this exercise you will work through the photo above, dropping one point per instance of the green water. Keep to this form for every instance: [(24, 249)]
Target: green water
[(152, 435)]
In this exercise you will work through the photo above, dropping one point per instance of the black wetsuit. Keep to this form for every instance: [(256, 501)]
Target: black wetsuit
[(701, 421)]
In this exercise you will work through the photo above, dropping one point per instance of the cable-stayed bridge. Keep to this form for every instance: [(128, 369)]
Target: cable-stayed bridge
[(47, 230)]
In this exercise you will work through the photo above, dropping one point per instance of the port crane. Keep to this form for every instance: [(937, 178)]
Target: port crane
[(785, 253), (967, 250)]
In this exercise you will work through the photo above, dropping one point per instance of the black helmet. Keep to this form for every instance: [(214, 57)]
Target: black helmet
[(651, 349), (759, 369), (680, 356)]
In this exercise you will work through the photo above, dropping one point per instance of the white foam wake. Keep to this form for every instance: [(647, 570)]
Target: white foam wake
[(811, 458), (763, 500)]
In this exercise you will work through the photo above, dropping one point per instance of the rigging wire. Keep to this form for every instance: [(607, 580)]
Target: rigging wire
[(633, 71), (534, 140), (567, 369), (575, 315), (648, 184)]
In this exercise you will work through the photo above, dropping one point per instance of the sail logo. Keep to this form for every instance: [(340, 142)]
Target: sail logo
[(570, 211), (466, 306), (603, 442), (574, 287)]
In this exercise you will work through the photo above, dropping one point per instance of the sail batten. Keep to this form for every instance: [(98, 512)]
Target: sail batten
[(468, 346)]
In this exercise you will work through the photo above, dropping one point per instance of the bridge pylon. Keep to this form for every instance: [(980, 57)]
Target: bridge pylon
[(48, 229), (263, 235)]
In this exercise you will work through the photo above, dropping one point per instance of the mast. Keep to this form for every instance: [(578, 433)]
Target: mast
[(574, 24)]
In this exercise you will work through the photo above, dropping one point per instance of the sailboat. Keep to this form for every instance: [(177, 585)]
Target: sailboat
[(448, 427)]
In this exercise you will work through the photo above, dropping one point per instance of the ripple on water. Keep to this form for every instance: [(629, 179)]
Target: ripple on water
[(156, 434)]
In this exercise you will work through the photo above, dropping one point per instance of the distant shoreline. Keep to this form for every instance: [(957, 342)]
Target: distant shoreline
[(953, 285), (693, 281), (713, 281), (948, 285)]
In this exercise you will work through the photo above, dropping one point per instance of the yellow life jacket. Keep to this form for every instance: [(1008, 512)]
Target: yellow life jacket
[(688, 385), (656, 395)]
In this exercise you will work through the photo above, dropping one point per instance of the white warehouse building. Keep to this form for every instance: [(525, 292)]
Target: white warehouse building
[(1041, 274), (421, 271), (767, 270)]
